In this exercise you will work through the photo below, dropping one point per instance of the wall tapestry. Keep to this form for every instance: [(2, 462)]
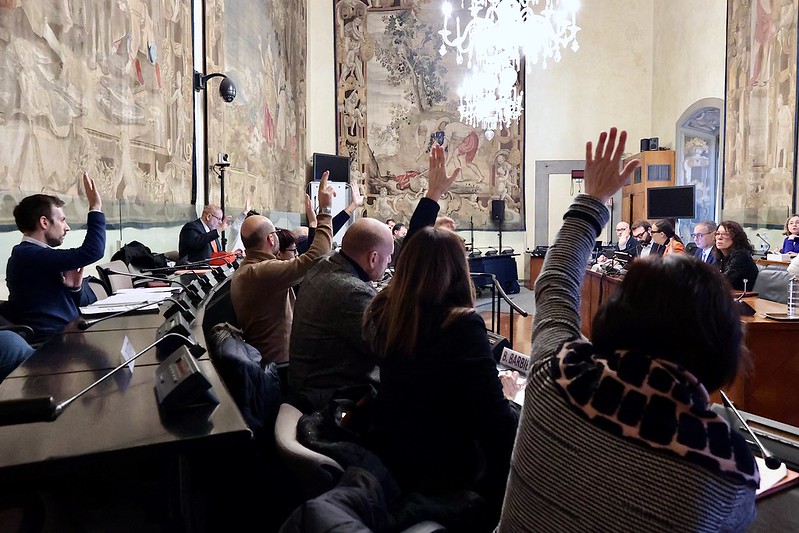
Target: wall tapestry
[(103, 86), (760, 133), (388, 61), (261, 46)]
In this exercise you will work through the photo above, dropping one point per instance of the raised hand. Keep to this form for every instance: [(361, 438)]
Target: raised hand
[(326, 192), (602, 176), (438, 181), (92, 194), (309, 212), (357, 198)]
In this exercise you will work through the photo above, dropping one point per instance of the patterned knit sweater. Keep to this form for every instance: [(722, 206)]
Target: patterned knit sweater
[(572, 473)]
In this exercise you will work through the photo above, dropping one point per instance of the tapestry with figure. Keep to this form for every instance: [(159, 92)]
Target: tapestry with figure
[(102, 86), (396, 96)]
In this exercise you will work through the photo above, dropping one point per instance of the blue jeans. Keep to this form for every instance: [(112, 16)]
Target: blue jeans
[(13, 351)]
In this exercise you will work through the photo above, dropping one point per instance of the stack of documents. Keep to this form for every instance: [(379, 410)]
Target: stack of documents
[(127, 299)]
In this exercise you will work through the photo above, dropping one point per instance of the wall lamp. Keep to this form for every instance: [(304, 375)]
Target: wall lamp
[(227, 89)]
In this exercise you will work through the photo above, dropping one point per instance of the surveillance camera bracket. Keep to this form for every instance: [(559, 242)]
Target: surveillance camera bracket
[(200, 80)]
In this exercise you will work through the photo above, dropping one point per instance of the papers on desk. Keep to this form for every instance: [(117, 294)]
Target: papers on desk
[(127, 299), (781, 258)]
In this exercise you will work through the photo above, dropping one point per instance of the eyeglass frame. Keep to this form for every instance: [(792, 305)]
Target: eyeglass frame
[(720, 234), (697, 235), (640, 235)]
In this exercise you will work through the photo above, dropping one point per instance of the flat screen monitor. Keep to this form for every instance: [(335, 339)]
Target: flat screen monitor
[(338, 165), (671, 202)]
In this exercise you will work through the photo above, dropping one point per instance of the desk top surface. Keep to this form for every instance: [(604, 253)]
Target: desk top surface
[(120, 414)]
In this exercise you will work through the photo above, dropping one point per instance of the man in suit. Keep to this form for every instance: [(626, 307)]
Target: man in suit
[(46, 285), (641, 231), (200, 238), (626, 243), (704, 236)]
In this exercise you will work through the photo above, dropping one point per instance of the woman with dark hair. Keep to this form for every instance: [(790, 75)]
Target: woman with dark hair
[(444, 421), (734, 256), (617, 435), (287, 243), (663, 234)]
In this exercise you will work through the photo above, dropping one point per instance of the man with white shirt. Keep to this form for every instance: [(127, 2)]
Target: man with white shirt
[(642, 232), (704, 238), (45, 284)]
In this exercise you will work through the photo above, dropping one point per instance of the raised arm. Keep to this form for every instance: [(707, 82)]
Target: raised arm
[(557, 290)]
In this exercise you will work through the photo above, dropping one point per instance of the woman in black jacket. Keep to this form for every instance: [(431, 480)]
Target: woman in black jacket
[(734, 256)]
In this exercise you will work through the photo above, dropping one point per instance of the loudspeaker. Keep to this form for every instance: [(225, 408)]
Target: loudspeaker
[(498, 344), (644, 145), (654, 143), (498, 210)]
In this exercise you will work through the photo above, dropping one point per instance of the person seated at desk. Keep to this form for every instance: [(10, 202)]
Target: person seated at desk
[(663, 234), (734, 256), (200, 238), (641, 230), (616, 434), (13, 352), (790, 245), (704, 237), (46, 285), (261, 288), (626, 243), (444, 421)]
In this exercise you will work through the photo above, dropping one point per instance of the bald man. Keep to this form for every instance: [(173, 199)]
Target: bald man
[(327, 348), (261, 289), (200, 238)]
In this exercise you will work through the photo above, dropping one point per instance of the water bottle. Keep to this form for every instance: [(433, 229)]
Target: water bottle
[(793, 298)]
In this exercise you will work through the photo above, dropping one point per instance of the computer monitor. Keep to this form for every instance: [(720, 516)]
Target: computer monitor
[(338, 165), (671, 202)]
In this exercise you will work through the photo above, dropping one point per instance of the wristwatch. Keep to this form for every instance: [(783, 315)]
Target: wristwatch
[(326, 210)]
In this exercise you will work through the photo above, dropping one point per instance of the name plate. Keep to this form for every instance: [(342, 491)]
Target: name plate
[(515, 360)]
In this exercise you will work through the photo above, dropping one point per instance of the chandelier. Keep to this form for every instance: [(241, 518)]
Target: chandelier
[(499, 34)]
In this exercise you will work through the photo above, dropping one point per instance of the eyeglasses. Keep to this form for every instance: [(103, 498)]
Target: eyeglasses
[(640, 235), (621, 229), (722, 234), (697, 235), (656, 231), (216, 217), (290, 251)]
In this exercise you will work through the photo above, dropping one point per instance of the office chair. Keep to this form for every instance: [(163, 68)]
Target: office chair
[(314, 473), (114, 283)]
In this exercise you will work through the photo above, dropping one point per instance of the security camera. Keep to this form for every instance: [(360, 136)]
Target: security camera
[(223, 160), (227, 90)]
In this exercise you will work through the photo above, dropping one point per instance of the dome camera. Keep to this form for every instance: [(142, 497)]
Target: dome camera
[(227, 90)]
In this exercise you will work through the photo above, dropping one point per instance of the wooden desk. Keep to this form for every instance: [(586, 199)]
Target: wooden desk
[(769, 390), (532, 269)]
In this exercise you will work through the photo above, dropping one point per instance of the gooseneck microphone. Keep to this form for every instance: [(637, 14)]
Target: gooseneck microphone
[(194, 296), (772, 462), (768, 244), (84, 324), (44, 408)]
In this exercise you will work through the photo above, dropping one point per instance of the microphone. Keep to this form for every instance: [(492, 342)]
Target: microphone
[(178, 305), (491, 251), (84, 324), (768, 244), (44, 408), (772, 462), (195, 297)]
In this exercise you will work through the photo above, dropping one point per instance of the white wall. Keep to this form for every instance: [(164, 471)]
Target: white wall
[(689, 60)]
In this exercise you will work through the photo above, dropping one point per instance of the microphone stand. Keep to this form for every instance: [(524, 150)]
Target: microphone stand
[(771, 461), (44, 408)]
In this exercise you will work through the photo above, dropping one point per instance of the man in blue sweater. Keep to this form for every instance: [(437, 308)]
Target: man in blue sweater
[(46, 285)]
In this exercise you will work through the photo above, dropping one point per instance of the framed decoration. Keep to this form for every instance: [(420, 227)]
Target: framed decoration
[(396, 96), (101, 86), (760, 132), (261, 46)]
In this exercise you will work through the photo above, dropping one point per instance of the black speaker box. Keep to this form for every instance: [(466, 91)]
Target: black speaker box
[(644, 145), (654, 143), (498, 343), (498, 210)]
